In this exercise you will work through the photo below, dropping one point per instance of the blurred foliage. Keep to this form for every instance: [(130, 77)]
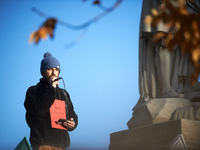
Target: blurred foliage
[(46, 29), (184, 30)]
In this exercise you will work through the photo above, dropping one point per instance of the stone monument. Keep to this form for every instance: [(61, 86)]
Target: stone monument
[(167, 114)]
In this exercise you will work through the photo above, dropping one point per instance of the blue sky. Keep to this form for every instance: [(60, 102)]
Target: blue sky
[(100, 72)]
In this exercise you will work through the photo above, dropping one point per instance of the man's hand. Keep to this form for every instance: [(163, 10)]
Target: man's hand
[(54, 83), (69, 123)]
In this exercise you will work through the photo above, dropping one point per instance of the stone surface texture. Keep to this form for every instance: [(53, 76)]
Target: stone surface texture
[(158, 136)]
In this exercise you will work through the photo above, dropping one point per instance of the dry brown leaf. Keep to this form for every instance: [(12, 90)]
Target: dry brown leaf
[(31, 38), (154, 12), (183, 11), (196, 55), (181, 3), (148, 20), (45, 30), (157, 36)]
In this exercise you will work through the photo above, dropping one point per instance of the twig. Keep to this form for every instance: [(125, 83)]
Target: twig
[(84, 25)]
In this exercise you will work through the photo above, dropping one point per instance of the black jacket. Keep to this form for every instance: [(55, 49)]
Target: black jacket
[(38, 101)]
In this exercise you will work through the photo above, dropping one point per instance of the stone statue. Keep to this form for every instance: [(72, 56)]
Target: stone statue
[(164, 77), (161, 74)]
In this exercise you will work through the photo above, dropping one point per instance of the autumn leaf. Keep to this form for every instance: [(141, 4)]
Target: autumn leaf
[(157, 36), (154, 12), (148, 19), (47, 29)]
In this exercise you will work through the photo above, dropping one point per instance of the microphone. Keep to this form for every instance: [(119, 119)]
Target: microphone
[(57, 79), (62, 80)]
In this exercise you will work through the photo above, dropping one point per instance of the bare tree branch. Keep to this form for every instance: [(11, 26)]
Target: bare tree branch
[(42, 32)]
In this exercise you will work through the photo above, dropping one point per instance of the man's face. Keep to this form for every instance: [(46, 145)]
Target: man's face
[(51, 73)]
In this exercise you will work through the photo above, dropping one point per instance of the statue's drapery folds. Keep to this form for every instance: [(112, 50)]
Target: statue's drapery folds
[(163, 74)]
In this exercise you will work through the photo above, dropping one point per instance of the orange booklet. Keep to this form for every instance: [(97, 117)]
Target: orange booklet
[(57, 112)]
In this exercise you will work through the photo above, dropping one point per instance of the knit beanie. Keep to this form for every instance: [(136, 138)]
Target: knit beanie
[(49, 62)]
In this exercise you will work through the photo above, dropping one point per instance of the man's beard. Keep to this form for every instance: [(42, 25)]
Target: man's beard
[(49, 78)]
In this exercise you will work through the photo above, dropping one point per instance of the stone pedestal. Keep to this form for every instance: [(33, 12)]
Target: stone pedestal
[(161, 136)]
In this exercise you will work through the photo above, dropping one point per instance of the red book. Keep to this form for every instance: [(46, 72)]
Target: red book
[(58, 112)]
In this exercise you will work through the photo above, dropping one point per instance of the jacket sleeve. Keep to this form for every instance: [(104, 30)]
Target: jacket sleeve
[(39, 104), (71, 112)]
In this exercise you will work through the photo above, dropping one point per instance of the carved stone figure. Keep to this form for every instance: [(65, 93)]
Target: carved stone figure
[(164, 77), (161, 74)]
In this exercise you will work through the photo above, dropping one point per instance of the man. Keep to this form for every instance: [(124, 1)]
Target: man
[(38, 103)]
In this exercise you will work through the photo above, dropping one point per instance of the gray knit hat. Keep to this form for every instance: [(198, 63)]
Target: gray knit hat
[(49, 62)]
